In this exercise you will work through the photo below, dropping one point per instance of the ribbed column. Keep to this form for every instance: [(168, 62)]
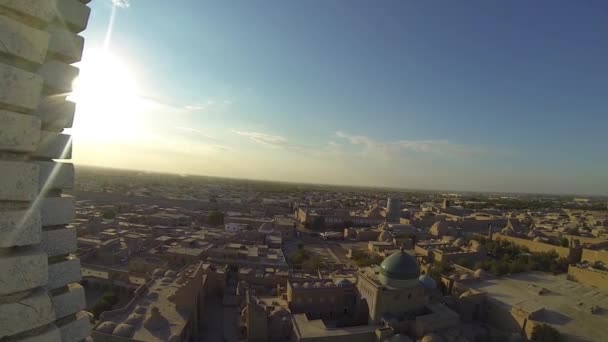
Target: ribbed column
[(40, 299)]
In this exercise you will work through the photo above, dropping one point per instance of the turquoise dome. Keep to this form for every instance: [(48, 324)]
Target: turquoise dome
[(400, 266), (427, 282)]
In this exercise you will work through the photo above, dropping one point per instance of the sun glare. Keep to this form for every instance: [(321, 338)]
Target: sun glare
[(106, 97)]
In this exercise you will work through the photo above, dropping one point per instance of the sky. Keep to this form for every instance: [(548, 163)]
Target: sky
[(471, 95)]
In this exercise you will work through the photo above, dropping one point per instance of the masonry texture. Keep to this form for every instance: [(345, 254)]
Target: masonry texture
[(40, 298)]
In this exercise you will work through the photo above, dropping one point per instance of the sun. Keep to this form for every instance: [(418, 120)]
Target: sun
[(106, 96)]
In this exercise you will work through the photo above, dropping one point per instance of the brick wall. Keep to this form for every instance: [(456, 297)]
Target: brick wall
[(593, 256), (589, 277), (572, 254), (40, 298)]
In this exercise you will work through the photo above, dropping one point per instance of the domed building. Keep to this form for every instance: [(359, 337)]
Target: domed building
[(392, 288), (399, 270)]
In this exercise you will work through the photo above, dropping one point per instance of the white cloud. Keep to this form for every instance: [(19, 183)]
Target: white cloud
[(264, 139), (394, 149), (121, 3), (198, 132), (193, 107)]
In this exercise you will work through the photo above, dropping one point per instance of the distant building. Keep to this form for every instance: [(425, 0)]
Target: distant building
[(235, 227), (393, 210), (446, 203)]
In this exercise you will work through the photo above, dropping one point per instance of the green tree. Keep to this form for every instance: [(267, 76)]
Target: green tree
[(108, 214), (216, 218), (545, 333), (564, 242), (101, 306), (105, 303), (318, 222)]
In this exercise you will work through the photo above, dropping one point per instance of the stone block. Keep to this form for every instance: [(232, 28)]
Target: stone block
[(19, 132), (54, 146), (20, 89), (50, 334), (56, 113), (63, 272), (68, 301), (55, 175), (37, 12), (33, 311), (19, 228), (58, 76), (23, 41), (22, 270), (65, 45), (56, 211), (59, 241), (19, 181), (73, 14), (74, 329)]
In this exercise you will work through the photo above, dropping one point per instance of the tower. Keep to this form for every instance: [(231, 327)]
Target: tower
[(393, 210)]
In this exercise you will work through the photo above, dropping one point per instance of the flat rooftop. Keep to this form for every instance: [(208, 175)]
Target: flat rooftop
[(567, 304), (310, 329)]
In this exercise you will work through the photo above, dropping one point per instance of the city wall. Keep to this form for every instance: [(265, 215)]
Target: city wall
[(588, 276), (572, 254), (593, 256)]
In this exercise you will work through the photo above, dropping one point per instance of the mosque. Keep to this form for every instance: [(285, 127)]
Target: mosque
[(390, 302), (398, 296)]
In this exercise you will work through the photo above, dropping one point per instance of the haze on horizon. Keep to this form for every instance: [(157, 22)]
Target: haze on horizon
[(473, 96)]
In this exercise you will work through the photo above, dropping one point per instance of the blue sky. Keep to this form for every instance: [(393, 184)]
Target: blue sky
[(476, 95)]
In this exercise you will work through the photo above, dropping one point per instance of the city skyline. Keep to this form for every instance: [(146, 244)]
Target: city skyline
[(408, 95)]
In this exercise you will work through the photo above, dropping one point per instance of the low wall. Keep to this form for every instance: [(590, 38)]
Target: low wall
[(593, 256), (589, 277), (538, 247)]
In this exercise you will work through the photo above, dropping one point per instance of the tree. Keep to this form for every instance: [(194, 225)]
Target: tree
[(109, 214), (318, 222), (215, 218), (564, 242), (106, 302), (545, 333)]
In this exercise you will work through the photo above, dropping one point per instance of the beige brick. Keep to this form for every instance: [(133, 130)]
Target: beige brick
[(19, 181), (19, 132), (22, 270), (19, 228), (64, 272), (55, 175), (41, 11), (74, 329), (56, 210), (58, 76), (68, 301), (20, 88), (50, 334), (59, 241), (65, 45), (56, 113), (23, 41), (54, 146), (27, 313), (73, 14)]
